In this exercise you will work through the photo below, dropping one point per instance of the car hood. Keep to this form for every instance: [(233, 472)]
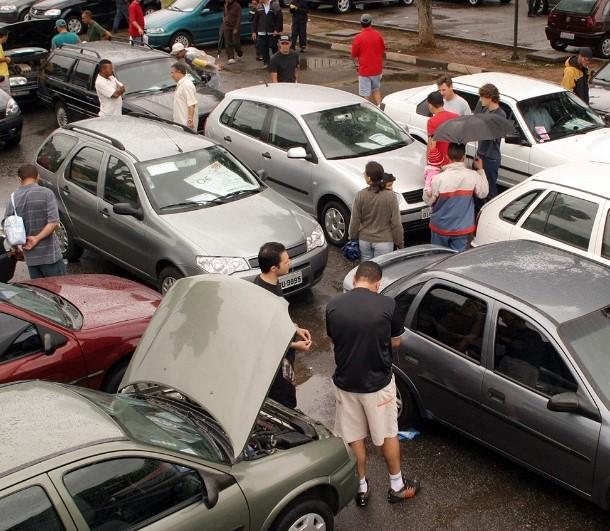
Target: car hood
[(17, 3), (599, 97), (206, 342), (162, 103), (102, 299), (163, 17), (53, 4), (237, 228), (593, 146), (30, 34)]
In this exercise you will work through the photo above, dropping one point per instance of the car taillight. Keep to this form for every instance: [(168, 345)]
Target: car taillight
[(553, 17), (589, 22)]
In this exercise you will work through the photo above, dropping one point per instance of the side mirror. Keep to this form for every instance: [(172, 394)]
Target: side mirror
[(296, 153), (127, 209), (48, 344), (262, 175), (572, 403), (515, 139)]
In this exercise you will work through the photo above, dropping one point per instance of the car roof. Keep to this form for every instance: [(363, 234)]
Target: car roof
[(300, 98), (591, 177), (115, 51), (512, 85), (144, 138), (558, 283), (42, 419)]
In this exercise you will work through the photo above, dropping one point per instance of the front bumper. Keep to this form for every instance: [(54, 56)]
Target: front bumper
[(10, 128), (589, 40), (415, 219), (159, 40)]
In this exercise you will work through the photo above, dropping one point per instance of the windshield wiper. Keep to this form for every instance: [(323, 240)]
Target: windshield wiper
[(239, 192), (193, 203), (145, 91)]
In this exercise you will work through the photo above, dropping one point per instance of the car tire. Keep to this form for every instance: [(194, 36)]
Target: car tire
[(149, 10), (408, 413), (168, 277), (182, 37), (335, 222), (114, 377), (406, 3), (61, 114), (74, 24), (13, 141), (558, 45), (543, 8), (342, 6), (305, 513), (23, 16), (475, 3), (603, 47), (70, 250)]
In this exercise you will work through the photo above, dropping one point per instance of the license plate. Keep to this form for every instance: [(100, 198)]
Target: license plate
[(564, 35), (291, 279), (425, 213)]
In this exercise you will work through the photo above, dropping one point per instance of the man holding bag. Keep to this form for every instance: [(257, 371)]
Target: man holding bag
[(38, 208)]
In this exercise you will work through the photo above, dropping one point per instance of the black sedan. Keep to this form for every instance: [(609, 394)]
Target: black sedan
[(11, 120)]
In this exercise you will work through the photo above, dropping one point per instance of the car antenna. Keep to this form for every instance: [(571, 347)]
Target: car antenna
[(172, 140)]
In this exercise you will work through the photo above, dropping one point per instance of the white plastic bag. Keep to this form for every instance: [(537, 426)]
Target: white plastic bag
[(14, 229)]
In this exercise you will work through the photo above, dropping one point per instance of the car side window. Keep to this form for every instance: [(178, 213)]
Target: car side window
[(54, 151), (285, 132), (403, 303), (132, 492), (524, 354), (83, 74), (454, 319), (513, 211), (565, 218), (227, 114), (606, 240), (85, 168), (422, 108), (58, 67), (17, 338), (29, 509), (471, 99), (119, 186), (249, 118)]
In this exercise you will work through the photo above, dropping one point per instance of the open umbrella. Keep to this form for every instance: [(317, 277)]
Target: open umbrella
[(483, 126)]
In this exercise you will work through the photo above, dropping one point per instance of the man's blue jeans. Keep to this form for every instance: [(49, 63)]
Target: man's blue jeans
[(370, 250), (120, 13), (491, 167), (47, 270), (457, 243)]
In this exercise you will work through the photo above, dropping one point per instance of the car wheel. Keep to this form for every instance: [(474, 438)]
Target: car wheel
[(475, 3), (408, 414), (61, 114), (13, 141), (335, 221), (342, 6), (406, 2), (113, 380), (542, 8), (70, 250), (603, 48), (74, 24), (182, 37), (27, 16), (168, 277), (24, 15), (558, 45), (305, 514), (150, 9)]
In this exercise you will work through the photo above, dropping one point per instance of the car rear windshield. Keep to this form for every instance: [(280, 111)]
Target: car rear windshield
[(149, 76), (603, 74), (588, 338), (578, 7)]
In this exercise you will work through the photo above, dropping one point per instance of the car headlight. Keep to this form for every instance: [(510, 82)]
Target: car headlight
[(16, 81), (222, 265), (8, 9), (402, 202), (315, 239), (155, 30), (52, 13), (12, 107)]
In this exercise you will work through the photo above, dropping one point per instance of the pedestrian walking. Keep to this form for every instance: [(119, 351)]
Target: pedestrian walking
[(274, 262), (489, 150), (266, 27), (375, 220), (251, 15), (109, 90), (232, 28), (284, 65), (136, 23), (361, 326), (95, 32), (439, 116), (185, 98), (63, 35), (5, 83), (576, 74), (121, 13), (452, 199), (37, 206), (368, 49), (452, 102), (299, 9)]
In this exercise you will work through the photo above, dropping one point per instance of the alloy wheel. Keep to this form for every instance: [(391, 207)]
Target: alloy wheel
[(398, 401), (61, 115), (604, 47), (183, 39), (167, 283), (309, 521), (74, 25), (62, 236), (334, 224), (343, 6)]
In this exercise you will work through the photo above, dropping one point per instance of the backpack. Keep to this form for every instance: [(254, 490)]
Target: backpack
[(14, 228)]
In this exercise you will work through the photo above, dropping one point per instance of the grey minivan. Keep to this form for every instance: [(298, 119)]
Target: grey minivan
[(165, 203)]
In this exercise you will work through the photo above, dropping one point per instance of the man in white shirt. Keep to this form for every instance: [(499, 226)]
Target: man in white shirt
[(109, 90), (452, 102), (185, 97)]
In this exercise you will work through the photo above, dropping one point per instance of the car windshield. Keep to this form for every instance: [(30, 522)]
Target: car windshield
[(355, 131), (578, 7), (558, 115), (588, 338), (42, 303), (184, 5), (149, 76), (196, 179), (169, 428), (603, 74)]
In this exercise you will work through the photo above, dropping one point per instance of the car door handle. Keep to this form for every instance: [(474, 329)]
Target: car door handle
[(267, 155), (105, 212), (496, 395), (66, 190), (227, 139)]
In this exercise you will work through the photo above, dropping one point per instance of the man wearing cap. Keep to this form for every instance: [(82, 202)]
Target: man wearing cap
[(368, 49), (63, 35), (576, 74), (109, 90), (284, 64)]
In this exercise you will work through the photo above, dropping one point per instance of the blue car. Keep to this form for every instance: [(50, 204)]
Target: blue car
[(191, 22)]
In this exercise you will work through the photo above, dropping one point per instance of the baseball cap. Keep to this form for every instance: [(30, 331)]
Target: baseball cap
[(284, 38), (177, 48), (60, 23), (586, 52), (366, 19)]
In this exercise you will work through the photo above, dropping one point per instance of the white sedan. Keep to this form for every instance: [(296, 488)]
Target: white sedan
[(552, 125), (566, 207)]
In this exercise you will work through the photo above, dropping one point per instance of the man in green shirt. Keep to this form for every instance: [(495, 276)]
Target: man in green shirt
[(95, 32), (63, 35)]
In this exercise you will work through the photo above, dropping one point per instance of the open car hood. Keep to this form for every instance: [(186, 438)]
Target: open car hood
[(217, 340), (30, 34)]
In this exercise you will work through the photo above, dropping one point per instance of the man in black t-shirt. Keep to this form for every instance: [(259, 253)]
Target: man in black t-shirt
[(274, 262), (361, 326), (284, 65)]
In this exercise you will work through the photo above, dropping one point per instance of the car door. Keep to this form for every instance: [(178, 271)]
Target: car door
[(207, 28), (150, 491), (82, 100), (442, 349), (290, 177), (527, 368), (53, 83), (602, 245)]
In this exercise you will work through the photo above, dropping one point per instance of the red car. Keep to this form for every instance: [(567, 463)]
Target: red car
[(79, 329)]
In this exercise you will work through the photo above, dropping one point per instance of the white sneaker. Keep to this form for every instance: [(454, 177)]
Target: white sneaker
[(231, 61)]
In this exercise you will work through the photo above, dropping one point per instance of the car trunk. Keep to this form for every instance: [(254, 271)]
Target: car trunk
[(25, 63)]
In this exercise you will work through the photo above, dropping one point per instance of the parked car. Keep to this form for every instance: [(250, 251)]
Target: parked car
[(580, 23), (11, 121), (345, 6), (191, 443), (166, 203), (553, 126), (67, 81), (7, 261), (508, 344), (72, 329), (71, 11), (599, 92), (192, 22), (313, 144), (14, 10), (554, 208)]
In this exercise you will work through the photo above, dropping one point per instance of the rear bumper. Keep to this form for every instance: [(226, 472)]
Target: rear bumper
[(580, 39)]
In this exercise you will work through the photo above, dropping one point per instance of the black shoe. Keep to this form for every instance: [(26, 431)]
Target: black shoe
[(259, 58), (362, 498), (410, 489), (303, 50)]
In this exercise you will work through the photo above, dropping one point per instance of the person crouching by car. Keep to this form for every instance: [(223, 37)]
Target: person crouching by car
[(375, 220)]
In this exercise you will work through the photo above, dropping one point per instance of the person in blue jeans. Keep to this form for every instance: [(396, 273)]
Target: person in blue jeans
[(121, 14)]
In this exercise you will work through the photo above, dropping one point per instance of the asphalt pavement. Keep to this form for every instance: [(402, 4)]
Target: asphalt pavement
[(465, 486)]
